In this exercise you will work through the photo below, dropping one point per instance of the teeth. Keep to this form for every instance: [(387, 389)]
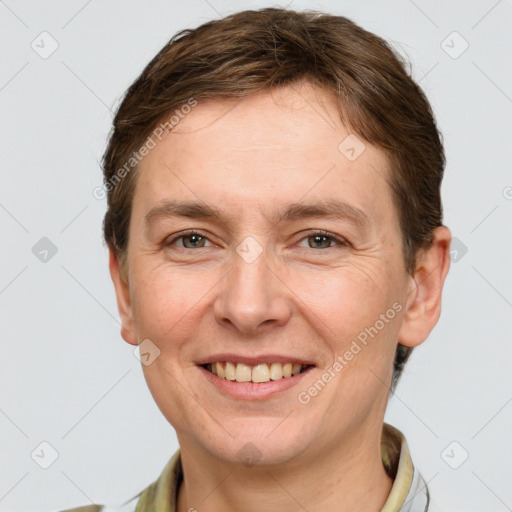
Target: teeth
[(276, 371), (243, 373), (258, 373), (220, 370), (230, 371)]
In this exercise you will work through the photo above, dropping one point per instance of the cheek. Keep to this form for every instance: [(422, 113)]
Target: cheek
[(347, 299), (360, 318), (165, 304)]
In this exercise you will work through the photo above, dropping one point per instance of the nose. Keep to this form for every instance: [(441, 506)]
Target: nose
[(253, 297)]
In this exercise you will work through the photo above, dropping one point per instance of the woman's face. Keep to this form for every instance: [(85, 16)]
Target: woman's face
[(296, 254)]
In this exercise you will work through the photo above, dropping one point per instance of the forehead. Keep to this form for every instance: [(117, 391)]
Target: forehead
[(279, 145)]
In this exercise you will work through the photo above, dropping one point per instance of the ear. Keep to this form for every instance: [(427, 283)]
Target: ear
[(424, 295), (123, 299)]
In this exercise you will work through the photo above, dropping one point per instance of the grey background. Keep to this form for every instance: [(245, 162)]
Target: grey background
[(67, 377)]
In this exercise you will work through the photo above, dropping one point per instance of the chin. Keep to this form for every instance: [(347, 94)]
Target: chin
[(259, 443)]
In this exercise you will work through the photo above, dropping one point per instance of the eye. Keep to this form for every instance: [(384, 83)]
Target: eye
[(323, 239), (318, 240), (189, 240)]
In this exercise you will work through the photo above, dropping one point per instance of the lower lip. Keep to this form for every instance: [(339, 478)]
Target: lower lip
[(254, 390)]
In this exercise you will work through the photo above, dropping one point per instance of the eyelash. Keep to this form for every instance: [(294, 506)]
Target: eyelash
[(340, 241)]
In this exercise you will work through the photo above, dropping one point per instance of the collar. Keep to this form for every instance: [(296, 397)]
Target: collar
[(409, 492)]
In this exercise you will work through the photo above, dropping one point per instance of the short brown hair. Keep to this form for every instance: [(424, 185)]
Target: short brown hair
[(258, 49)]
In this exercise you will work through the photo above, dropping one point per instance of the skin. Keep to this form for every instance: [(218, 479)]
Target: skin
[(302, 296)]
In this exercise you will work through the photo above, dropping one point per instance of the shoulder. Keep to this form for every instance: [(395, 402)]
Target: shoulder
[(157, 492), (87, 508), (128, 506)]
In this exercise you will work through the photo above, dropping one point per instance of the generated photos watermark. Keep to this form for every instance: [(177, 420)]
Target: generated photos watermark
[(304, 397), (158, 133)]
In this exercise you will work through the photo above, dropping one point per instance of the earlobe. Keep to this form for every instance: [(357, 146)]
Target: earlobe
[(424, 298), (124, 304)]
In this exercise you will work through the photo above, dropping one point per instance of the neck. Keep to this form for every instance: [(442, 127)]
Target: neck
[(347, 476)]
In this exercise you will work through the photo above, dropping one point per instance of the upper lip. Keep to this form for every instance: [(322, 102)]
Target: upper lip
[(253, 360)]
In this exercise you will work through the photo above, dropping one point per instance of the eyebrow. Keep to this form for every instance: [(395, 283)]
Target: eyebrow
[(330, 209)]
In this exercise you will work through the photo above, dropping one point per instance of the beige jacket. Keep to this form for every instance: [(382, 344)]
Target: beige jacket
[(409, 492)]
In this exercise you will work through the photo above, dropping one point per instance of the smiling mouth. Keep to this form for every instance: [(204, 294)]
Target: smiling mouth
[(258, 373)]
